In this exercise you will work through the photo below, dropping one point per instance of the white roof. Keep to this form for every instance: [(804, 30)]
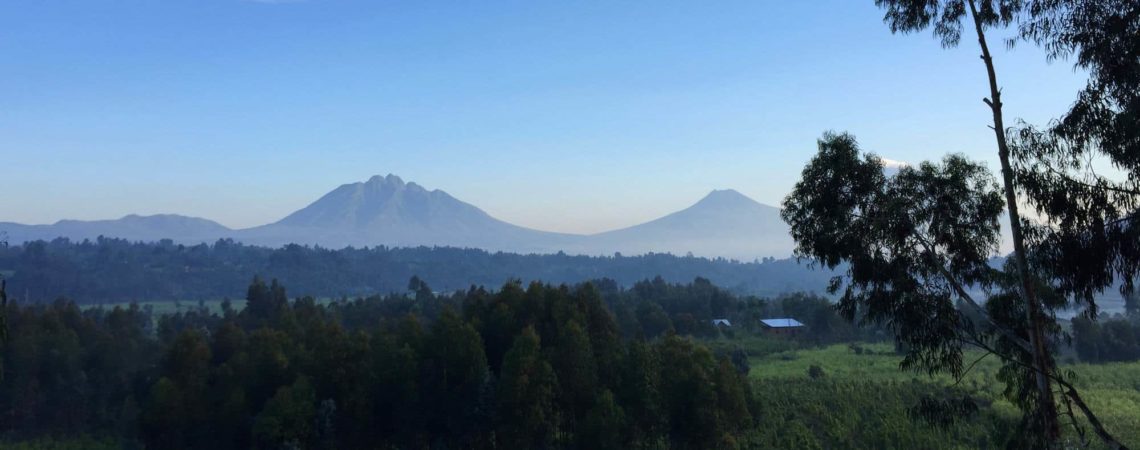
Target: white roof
[(782, 323)]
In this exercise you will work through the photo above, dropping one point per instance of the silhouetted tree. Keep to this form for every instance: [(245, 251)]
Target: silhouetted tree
[(454, 370), (527, 390), (604, 424), (289, 418), (1088, 219), (946, 17)]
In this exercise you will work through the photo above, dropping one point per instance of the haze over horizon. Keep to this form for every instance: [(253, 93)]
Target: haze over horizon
[(574, 119), (389, 211)]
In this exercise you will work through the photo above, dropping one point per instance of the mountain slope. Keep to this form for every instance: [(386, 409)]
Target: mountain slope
[(723, 223), (388, 211)]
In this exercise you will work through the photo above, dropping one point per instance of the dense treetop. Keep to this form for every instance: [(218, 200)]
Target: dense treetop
[(114, 270)]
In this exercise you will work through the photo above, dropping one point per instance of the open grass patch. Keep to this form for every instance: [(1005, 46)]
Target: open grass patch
[(870, 380)]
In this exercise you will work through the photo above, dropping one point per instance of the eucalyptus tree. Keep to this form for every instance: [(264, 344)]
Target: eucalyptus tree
[(1091, 240), (913, 243), (917, 242), (946, 19)]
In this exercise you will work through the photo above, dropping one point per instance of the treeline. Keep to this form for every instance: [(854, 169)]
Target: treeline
[(1107, 339), (535, 367), (115, 270), (526, 366), (651, 308)]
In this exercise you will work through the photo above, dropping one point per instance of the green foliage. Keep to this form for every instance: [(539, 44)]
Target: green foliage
[(577, 372), (527, 396), (700, 397), (367, 374), (1107, 339), (605, 425), (944, 412), (370, 373), (264, 304), (911, 242), (453, 372), (289, 418), (67, 371), (1089, 236), (945, 16), (115, 270), (851, 413), (640, 394), (865, 398), (1092, 239)]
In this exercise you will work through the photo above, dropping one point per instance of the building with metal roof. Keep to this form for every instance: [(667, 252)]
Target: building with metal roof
[(782, 323), (782, 326)]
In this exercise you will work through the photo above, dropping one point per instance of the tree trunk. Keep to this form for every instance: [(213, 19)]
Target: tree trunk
[(1047, 407)]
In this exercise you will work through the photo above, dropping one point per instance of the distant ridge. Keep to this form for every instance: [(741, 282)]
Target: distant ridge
[(132, 226), (386, 210)]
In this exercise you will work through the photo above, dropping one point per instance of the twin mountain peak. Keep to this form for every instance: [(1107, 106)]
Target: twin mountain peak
[(386, 210)]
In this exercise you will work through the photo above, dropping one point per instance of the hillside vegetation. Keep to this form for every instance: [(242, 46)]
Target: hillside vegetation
[(860, 394), (561, 366), (115, 270)]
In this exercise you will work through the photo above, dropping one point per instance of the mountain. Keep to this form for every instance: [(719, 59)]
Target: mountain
[(388, 211), (724, 223), (182, 229), (385, 210)]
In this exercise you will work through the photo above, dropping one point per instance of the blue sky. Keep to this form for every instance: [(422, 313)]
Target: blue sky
[(563, 116)]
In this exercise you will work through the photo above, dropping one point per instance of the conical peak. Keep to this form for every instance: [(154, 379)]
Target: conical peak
[(726, 196), (724, 193)]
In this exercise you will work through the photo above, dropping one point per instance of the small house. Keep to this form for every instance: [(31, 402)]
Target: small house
[(782, 326), (721, 323)]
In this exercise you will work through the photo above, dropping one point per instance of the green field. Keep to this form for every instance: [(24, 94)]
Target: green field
[(866, 396)]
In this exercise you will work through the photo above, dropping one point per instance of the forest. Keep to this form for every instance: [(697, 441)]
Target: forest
[(590, 365), (110, 270), (949, 280)]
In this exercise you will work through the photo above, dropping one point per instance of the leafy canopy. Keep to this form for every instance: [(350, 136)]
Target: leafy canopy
[(911, 241)]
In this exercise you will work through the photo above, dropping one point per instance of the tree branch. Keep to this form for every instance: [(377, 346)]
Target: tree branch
[(1107, 186), (1070, 392), (1098, 427), (965, 296), (971, 367), (1073, 417)]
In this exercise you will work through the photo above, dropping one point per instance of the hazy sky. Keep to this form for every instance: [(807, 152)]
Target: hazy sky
[(563, 116)]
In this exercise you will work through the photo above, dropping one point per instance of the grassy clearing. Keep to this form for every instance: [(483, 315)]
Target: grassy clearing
[(1112, 390)]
